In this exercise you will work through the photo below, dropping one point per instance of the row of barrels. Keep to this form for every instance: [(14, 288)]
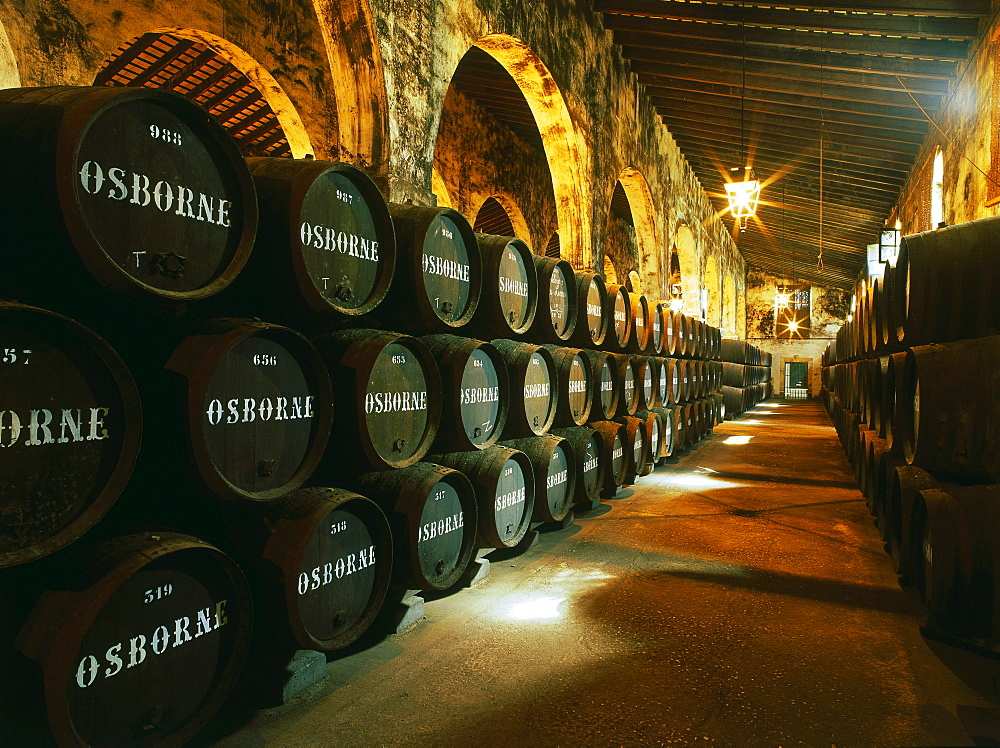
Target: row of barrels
[(746, 376), (250, 411), (95, 626), (943, 537), (938, 290), (301, 242), (909, 387)]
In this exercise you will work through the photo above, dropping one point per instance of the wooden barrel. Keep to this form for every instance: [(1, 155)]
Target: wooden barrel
[(70, 431), (575, 387), (619, 314), (884, 470), (682, 433), (389, 391), (257, 404), (892, 383), (944, 410), (434, 517), (439, 276), (555, 321), (686, 374), (475, 392), (534, 386), (685, 333), (642, 327), (616, 445), (943, 283), (505, 492), (661, 384), (326, 245), (671, 339), (591, 305), (138, 188), (886, 332), (590, 463), (904, 547), (637, 446), (667, 445), (656, 337), (649, 382), (959, 577), (553, 463), (508, 267), (324, 558), (655, 435), (628, 378), (674, 377), (139, 640), (604, 378)]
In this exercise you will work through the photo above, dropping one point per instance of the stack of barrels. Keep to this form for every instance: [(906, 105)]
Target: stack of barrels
[(911, 386), (746, 376), (250, 401)]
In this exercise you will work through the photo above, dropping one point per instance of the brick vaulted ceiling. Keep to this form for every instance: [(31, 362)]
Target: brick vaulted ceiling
[(864, 76)]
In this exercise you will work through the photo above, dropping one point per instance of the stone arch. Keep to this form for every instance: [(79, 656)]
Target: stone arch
[(687, 256), (563, 148), (713, 315), (610, 272), (515, 218), (644, 220), (729, 304), (355, 62), (9, 76), (227, 56)]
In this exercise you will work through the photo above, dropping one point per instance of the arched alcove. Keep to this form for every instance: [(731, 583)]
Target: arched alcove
[(553, 248), (610, 273), (687, 259), (563, 149), (500, 215), (220, 77), (9, 77), (712, 287), (632, 184)]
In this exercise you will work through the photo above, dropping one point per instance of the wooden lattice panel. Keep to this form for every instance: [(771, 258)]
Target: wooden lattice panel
[(493, 219), (200, 73)]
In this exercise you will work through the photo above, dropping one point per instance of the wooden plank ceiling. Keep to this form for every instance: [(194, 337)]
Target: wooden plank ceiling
[(858, 80)]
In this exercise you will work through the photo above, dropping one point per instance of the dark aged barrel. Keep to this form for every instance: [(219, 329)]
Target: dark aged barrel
[(590, 463), (557, 304), (69, 431), (606, 391), (948, 425), (505, 492), (326, 244), (439, 278), (642, 327), (389, 391), (433, 514), (637, 446), (661, 379), (554, 464), (665, 414), (475, 391), (649, 378), (140, 188), (654, 433), (591, 303), (615, 446), (258, 407), (533, 386), (904, 484), (325, 568), (141, 645), (656, 340), (671, 332), (673, 377), (576, 392), (509, 301), (629, 383), (619, 314)]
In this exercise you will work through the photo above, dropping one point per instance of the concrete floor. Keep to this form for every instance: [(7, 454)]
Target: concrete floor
[(739, 595)]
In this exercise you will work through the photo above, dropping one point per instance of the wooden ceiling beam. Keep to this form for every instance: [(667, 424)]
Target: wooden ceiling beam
[(675, 87), (942, 8), (650, 32), (829, 61), (763, 120), (732, 130), (685, 64), (812, 19)]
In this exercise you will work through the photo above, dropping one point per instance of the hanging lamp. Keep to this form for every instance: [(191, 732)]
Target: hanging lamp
[(743, 189)]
